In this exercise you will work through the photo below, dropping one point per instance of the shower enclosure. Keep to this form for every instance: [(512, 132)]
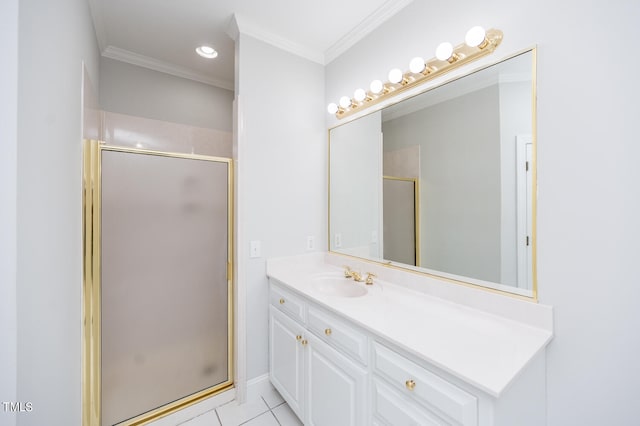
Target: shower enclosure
[(157, 282)]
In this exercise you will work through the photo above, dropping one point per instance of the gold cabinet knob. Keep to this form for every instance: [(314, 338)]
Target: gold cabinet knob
[(282, 301), (410, 384), (298, 337), (327, 331), (304, 342)]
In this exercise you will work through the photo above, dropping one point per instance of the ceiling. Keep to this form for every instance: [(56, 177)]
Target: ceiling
[(163, 34)]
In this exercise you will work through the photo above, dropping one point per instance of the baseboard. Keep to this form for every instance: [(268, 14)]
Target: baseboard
[(257, 386)]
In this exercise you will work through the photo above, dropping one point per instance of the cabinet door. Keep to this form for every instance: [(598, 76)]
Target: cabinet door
[(286, 359), (336, 387)]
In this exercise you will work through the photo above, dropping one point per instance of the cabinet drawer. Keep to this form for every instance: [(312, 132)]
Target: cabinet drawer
[(392, 408), (428, 388), (338, 333), (287, 302)]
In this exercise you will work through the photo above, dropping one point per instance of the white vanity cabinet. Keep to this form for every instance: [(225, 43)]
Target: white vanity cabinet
[(362, 362), (322, 385)]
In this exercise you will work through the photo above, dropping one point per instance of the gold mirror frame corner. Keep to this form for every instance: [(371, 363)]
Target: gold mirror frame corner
[(91, 329), (534, 296), (534, 173)]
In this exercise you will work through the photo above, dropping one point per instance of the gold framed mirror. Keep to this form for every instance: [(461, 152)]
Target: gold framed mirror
[(470, 143)]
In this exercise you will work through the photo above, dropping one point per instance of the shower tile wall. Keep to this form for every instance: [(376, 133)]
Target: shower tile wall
[(145, 133), (402, 162)]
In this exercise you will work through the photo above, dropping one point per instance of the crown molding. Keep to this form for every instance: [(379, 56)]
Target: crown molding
[(240, 25), (129, 57), (360, 31)]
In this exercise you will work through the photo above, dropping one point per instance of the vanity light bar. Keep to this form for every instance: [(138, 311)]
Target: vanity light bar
[(478, 43)]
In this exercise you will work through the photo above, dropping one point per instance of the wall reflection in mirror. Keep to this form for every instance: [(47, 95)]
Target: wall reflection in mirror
[(443, 182)]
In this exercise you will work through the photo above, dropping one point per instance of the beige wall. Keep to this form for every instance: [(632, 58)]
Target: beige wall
[(133, 90)]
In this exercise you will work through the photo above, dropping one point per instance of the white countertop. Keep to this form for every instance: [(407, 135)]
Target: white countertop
[(483, 349)]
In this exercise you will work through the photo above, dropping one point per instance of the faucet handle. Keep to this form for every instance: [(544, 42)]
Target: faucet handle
[(370, 276), (348, 273)]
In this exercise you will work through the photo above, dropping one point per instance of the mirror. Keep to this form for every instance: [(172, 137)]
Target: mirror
[(443, 182)]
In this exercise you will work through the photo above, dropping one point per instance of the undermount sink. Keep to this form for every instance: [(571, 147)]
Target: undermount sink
[(338, 286)]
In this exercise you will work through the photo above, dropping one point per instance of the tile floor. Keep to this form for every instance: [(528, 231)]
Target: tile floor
[(268, 409)]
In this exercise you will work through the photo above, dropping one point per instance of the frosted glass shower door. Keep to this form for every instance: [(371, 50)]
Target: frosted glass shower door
[(165, 287), (400, 220)]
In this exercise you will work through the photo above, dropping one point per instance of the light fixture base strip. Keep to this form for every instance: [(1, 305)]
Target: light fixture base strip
[(462, 55)]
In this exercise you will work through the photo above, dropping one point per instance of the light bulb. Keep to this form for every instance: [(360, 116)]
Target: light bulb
[(444, 51), (395, 75), (359, 95), (376, 86), (416, 65), (332, 108), (206, 52), (345, 102), (475, 36)]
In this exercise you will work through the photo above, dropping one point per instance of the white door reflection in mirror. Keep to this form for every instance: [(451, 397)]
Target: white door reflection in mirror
[(524, 161)]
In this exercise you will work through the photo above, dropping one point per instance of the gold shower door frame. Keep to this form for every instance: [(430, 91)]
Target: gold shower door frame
[(91, 291)]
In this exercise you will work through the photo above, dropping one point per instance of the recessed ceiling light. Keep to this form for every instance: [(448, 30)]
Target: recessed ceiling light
[(207, 52)]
